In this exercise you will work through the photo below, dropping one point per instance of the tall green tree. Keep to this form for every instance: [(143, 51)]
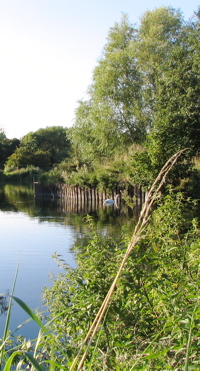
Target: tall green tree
[(145, 89), (2, 134), (158, 33), (7, 148), (177, 105), (42, 148), (116, 88), (113, 116)]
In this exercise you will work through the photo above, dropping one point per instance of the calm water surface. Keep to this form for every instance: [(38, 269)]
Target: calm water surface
[(31, 232)]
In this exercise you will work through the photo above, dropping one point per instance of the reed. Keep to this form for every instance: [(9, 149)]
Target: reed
[(6, 328), (145, 215)]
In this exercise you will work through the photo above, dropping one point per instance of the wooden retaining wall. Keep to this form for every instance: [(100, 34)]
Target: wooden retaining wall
[(79, 199)]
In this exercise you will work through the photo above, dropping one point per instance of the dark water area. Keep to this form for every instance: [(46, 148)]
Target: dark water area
[(31, 231)]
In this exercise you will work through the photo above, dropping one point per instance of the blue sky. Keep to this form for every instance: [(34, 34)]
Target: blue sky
[(48, 50)]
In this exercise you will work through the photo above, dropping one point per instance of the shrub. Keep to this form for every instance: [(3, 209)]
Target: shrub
[(155, 307)]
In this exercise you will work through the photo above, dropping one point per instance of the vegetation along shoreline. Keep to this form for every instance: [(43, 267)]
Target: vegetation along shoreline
[(139, 125)]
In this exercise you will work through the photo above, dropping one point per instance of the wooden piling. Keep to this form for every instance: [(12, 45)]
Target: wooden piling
[(78, 198)]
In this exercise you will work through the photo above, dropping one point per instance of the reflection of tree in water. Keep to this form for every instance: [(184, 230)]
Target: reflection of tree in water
[(3, 304)]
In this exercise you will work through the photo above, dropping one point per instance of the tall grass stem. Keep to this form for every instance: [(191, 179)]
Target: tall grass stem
[(145, 214)]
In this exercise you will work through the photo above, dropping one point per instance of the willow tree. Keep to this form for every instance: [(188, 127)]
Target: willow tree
[(111, 118), (116, 88), (158, 33), (145, 89), (177, 105)]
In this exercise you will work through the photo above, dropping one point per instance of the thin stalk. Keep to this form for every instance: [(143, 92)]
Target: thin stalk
[(137, 235), (186, 367), (148, 346), (2, 347), (93, 355)]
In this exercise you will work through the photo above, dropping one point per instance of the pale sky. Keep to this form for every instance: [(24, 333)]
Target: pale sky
[(48, 50)]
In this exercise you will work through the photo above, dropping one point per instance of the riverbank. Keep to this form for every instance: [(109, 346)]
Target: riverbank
[(153, 318)]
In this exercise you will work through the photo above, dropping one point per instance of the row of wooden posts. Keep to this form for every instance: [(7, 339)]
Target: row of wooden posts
[(75, 198)]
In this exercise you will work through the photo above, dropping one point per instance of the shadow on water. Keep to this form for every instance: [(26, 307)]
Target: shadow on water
[(19, 198), (16, 198)]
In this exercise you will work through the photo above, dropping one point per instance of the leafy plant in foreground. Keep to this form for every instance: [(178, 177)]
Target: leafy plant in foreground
[(153, 319)]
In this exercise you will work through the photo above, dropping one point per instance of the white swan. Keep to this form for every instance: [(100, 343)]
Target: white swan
[(110, 201)]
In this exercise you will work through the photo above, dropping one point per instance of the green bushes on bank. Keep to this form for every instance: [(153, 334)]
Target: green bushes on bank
[(23, 175), (153, 319), (156, 304)]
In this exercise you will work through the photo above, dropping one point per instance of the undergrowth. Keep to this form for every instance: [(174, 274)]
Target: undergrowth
[(155, 308), (153, 320)]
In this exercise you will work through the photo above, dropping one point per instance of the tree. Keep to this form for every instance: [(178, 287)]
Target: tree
[(116, 88), (158, 33), (42, 148), (113, 117), (145, 90), (177, 104), (7, 148), (2, 134)]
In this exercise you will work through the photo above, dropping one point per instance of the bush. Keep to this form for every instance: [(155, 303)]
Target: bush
[(153, 320), (155, 307), (23, 175)]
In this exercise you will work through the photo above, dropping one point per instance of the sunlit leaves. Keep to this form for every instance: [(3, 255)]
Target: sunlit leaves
[(148, 323), (42, 149)]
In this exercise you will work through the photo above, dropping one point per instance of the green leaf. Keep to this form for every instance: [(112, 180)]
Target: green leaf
[(26, 308), (34, 362), (9, 362)]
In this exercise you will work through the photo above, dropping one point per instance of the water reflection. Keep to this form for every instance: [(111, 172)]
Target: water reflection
[(16, 198), (33, 230), (19, 198)]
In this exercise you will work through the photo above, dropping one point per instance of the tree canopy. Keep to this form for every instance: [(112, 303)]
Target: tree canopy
[(7, 147), (144, 90), (143, 101), (42, 148)]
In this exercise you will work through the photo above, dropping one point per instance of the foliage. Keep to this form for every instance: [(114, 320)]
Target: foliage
[(141, 171), (23, 175), (2, 176), (108, 121), (42, 149), (7, 147), (158, 32), (176, 110), (155, 305), (51, 177), (103, 179), (2, 134), (153, 319), (190, 185), (144, 90)]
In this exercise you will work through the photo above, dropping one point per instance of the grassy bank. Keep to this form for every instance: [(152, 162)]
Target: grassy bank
[(21, 176)]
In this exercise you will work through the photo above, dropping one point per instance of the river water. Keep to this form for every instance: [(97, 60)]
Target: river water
[(31, 231)]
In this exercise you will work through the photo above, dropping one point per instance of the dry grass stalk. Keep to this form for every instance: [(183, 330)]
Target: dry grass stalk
[(137, 235)]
